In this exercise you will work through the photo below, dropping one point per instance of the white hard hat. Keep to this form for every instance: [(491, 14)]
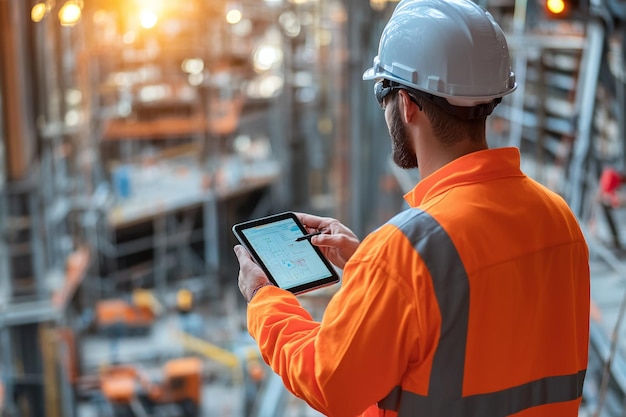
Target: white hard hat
[(449, 48)]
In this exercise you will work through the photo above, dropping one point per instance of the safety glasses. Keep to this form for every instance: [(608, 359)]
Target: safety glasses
[(383, 88)]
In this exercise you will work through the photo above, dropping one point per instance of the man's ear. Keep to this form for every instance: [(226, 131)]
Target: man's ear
[(408, 109)]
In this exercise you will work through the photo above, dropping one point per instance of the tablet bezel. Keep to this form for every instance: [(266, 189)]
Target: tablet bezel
[(238, 229)]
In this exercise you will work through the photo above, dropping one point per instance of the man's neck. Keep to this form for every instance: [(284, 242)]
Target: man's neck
[(437, 158)]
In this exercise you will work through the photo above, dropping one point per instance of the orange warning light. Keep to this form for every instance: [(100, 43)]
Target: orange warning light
[(555, 6)]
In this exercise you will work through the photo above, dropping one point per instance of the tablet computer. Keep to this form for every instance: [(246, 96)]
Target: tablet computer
[(290, 261)]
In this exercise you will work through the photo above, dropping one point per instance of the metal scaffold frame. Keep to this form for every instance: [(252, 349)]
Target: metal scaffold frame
[(605, 387), (5, 352), (41, 238), (602, 71)]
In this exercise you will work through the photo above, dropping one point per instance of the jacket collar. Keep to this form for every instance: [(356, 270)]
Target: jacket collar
[(471, 168)]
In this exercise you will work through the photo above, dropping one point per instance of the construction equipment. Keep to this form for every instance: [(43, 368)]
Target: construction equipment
[(127, 316), (132, 393)]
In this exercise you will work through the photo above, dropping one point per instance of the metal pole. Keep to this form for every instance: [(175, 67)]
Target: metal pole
[(15, 74), (355, 48), (587, 85), (37, 243), (5, 276), (6, 366), (160, 252), (520, 62), (211, 234)]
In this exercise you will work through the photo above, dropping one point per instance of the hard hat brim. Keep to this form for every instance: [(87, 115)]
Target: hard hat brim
[(370, 74), (461, 101)]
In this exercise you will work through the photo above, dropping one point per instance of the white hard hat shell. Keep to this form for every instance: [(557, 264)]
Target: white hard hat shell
[(449, 48)]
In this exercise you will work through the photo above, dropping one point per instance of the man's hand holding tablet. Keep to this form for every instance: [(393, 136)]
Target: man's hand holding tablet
[(281, 246)]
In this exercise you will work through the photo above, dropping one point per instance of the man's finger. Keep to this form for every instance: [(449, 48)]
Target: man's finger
[(241, 252), (327, 240), (309, 220)]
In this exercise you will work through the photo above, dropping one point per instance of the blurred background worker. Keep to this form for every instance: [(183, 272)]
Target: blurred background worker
[(190, 321), (473, 302)]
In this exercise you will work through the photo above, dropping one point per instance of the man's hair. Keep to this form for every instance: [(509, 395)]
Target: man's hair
[(448, 128)]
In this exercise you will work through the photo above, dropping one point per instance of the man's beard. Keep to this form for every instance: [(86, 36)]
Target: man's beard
[(402, 151)]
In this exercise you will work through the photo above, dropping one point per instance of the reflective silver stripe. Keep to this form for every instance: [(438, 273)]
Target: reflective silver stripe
[(494, 404), (451, 286)]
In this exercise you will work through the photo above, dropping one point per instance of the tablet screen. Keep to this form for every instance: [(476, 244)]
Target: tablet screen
[(296, 266)]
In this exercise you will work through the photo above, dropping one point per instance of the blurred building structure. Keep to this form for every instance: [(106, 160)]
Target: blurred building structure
[(134, 133)]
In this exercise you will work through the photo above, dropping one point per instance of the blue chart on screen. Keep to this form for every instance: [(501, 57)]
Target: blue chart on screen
[(291, 263)]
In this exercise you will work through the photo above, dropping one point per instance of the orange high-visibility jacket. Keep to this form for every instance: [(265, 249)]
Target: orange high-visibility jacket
[(474, 302)]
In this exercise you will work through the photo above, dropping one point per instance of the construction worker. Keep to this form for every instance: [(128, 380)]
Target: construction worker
[(190, 321), (474, 301)]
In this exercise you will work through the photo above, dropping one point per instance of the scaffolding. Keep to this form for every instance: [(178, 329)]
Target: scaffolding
[(568, 120), (42, 262), (74, 233)]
